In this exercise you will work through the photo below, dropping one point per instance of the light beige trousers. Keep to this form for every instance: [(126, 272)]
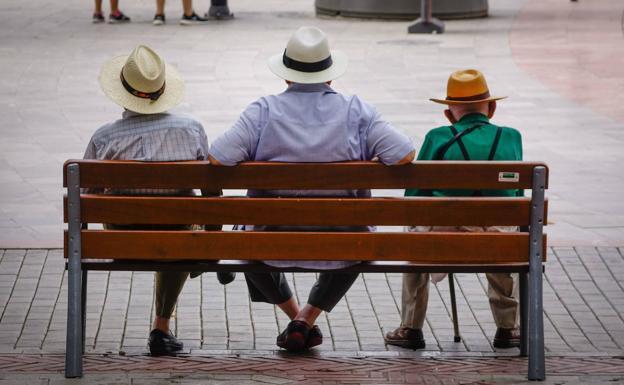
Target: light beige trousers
[(503, 289)]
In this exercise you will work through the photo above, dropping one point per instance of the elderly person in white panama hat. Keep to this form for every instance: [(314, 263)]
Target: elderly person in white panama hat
[(146, 87), (308, 122)]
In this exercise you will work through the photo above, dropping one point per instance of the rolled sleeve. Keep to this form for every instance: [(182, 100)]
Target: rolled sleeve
[(239, 143), (382, 140)]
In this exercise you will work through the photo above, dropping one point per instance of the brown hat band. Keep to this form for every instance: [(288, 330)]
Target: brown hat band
[(153, 96), (482, 96)]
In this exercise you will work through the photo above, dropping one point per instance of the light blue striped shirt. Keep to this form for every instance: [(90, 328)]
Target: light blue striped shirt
[(311, 123), (149, 138)]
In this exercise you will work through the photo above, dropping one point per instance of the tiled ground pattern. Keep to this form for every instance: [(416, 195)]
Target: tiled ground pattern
[(583, 303), (558, 61), (324, 370)]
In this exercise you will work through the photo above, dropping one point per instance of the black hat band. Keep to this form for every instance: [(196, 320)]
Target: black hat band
[(307, 67)]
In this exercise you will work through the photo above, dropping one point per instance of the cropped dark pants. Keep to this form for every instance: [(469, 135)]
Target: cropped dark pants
[(274, 289), (168, 284)]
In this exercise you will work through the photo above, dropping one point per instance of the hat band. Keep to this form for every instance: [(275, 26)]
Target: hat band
[(482, 96), (306, 67), (153, 96)]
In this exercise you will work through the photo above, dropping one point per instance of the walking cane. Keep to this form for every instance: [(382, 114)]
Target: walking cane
[(451, 279)]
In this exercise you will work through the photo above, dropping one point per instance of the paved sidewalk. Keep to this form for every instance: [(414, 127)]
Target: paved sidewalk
[(583, 307), (558, 61)]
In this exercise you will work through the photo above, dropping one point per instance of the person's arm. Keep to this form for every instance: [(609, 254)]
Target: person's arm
[(408, 158), (383, 141), (238, 144)]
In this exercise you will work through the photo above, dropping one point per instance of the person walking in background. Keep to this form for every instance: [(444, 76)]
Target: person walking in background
[(189, 17), (116, 16), (471, 136), (308, 122)]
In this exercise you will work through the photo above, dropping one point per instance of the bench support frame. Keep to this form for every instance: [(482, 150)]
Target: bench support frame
[(75, 307), (537, 370)]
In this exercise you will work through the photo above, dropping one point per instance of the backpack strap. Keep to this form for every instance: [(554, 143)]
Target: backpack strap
[(460, 143), (439, 155), (495, 143)]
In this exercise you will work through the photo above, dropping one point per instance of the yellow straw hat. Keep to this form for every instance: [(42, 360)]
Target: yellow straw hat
[(142, 82), (467, 86)]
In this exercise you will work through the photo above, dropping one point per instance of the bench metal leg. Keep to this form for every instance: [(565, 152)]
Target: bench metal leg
[(537, 370), (73, 343), (85, 274), (451, 279), (524, 314)]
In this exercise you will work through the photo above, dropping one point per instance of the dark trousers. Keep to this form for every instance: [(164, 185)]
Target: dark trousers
[(273, 288)]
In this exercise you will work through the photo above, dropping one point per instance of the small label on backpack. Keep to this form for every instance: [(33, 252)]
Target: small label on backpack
[(508, 176)]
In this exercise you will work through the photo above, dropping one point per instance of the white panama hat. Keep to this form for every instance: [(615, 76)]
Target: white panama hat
[(308, 59), (142, 82)]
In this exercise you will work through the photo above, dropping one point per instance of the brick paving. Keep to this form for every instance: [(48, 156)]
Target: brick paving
[(583, 302)]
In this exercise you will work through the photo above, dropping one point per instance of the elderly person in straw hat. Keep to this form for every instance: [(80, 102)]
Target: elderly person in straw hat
[(308, 122), (146, 87), (471, 136)]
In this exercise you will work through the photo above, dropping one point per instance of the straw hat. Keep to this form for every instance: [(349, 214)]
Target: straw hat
[(467, 86), (142, 82), (308, 59)]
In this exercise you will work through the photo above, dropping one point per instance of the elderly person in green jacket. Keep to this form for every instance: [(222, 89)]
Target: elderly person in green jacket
[(471, 136)]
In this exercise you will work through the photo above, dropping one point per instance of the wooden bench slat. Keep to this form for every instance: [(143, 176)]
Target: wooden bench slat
[(258, 175), (305, 212), (256, 266), (428, 248)]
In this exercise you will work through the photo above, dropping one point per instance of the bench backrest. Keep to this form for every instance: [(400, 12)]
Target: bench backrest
[(425, 248)]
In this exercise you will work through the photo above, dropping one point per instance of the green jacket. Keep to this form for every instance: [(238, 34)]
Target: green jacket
[(478, 144)]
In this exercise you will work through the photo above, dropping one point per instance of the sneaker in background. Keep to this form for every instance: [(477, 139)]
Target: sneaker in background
[(193, 19), (98, 18), (159, 19), (119, 17)]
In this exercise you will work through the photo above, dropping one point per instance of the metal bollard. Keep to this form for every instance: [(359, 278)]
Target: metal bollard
[(426, 23), (219, 10)]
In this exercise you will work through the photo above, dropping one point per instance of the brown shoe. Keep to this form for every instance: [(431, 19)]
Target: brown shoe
[(507, 338), (406, 338)]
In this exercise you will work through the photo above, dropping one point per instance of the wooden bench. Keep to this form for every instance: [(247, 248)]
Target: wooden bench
[(398, 251)]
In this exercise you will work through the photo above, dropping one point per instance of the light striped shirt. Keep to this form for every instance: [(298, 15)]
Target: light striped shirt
[(149, 138)]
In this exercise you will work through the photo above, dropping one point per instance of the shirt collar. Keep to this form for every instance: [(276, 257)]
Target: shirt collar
[(129, 114), (316, 87), (473, 118)]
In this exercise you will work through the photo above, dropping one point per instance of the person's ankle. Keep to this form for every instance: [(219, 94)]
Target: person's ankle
[(161, 323), (303, 319), (116, 13)]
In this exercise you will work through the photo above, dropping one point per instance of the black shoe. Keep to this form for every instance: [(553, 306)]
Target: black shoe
[(163, 344), (98, 18), (193, 19), (295, 337), (159, 19), (506, 338), (119, 17), (225, 277), (406, 338), (315, 337)]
